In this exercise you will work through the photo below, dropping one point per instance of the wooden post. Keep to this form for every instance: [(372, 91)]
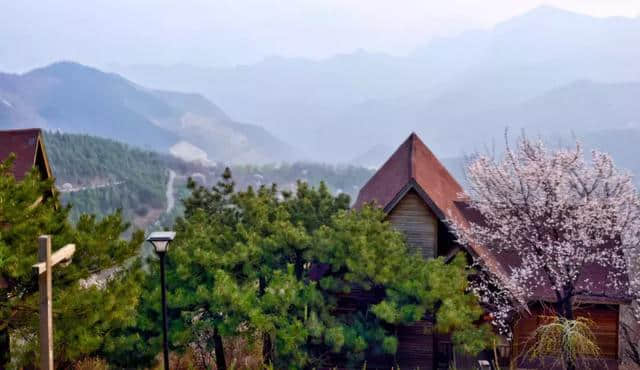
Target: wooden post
[(43, 268), (46, 315)]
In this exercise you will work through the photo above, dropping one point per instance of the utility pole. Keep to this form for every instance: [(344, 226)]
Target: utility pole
[(43, 268)]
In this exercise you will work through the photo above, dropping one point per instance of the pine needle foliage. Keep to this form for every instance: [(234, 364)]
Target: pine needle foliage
[(83, 317), (276, 267)]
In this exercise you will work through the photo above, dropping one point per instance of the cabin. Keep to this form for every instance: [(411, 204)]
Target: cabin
[(419, 195), (28, 147)]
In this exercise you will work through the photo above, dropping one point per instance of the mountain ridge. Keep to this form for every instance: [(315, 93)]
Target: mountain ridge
[(330, 105), (71, 97)]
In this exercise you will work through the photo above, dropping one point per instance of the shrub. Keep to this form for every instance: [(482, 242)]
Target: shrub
[(567, 341)]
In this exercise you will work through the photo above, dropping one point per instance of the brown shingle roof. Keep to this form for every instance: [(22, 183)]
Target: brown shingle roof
[(413, 163), (25, 145)]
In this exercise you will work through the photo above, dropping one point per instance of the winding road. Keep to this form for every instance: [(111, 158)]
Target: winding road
[(171, 200)]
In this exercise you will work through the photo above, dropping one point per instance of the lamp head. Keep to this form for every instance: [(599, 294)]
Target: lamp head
[(160, 240)]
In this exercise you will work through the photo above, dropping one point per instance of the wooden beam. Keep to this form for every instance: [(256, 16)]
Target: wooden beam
[(36, 203), (63, 254), (46, 317), (43, 268)]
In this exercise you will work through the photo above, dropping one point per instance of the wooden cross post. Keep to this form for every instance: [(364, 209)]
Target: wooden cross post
[(46, 261)]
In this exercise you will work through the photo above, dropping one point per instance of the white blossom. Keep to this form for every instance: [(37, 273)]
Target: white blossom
[(558, 216)]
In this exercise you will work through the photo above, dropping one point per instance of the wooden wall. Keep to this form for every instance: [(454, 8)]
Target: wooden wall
[(413, 218), (416, 345)]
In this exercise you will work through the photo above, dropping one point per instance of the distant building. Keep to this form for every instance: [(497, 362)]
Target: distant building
[(66, 187), (419, 195)]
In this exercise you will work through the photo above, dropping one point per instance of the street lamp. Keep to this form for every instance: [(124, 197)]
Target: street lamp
[(160, 241)]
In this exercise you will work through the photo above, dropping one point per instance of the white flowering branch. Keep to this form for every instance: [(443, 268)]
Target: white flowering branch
[(556, 218)]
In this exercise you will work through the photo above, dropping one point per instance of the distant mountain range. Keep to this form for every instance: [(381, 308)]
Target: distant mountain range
[(549, 72), (548, 69), (73, 98)]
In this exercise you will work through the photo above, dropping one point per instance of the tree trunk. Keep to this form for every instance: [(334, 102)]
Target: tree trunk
[(5, 340), (221, 363), (5, 348), (299, 264), (565, 310), (267, 349), (267, 344)]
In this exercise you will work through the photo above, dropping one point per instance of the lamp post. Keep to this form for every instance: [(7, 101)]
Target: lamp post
[(160, 241)]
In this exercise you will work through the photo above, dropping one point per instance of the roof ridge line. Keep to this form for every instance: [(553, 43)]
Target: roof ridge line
[(21, 130), (412, 158)]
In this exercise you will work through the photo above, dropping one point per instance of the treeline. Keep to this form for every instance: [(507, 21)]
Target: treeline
[(339, 178)]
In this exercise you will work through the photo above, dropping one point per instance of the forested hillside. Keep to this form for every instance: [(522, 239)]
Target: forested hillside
[(99, 176)]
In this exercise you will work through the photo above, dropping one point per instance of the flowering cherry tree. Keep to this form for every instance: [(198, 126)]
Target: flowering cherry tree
[(568, 227)]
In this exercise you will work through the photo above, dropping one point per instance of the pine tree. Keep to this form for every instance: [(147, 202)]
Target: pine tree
[(84, 314), (244, 264)]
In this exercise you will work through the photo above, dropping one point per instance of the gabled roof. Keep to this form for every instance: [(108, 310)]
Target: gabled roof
[(413, 166), (28, 147)]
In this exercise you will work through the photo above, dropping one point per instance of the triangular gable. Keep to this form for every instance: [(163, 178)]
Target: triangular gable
[(41, 159), (413, 166)]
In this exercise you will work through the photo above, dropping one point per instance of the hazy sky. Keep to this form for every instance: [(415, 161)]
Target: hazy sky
[(228, 32)]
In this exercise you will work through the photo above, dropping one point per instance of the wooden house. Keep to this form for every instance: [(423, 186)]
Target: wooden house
[(419, 196)]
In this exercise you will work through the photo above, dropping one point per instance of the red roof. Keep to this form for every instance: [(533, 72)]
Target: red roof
[(24, 144)]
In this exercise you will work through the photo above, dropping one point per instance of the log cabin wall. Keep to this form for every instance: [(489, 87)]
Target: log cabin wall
[(415, 220)]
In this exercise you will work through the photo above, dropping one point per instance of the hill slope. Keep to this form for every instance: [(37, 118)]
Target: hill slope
[(74, 98)]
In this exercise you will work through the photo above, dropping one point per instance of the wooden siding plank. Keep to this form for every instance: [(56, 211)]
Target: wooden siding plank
[(415, 345), (419, 225)]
